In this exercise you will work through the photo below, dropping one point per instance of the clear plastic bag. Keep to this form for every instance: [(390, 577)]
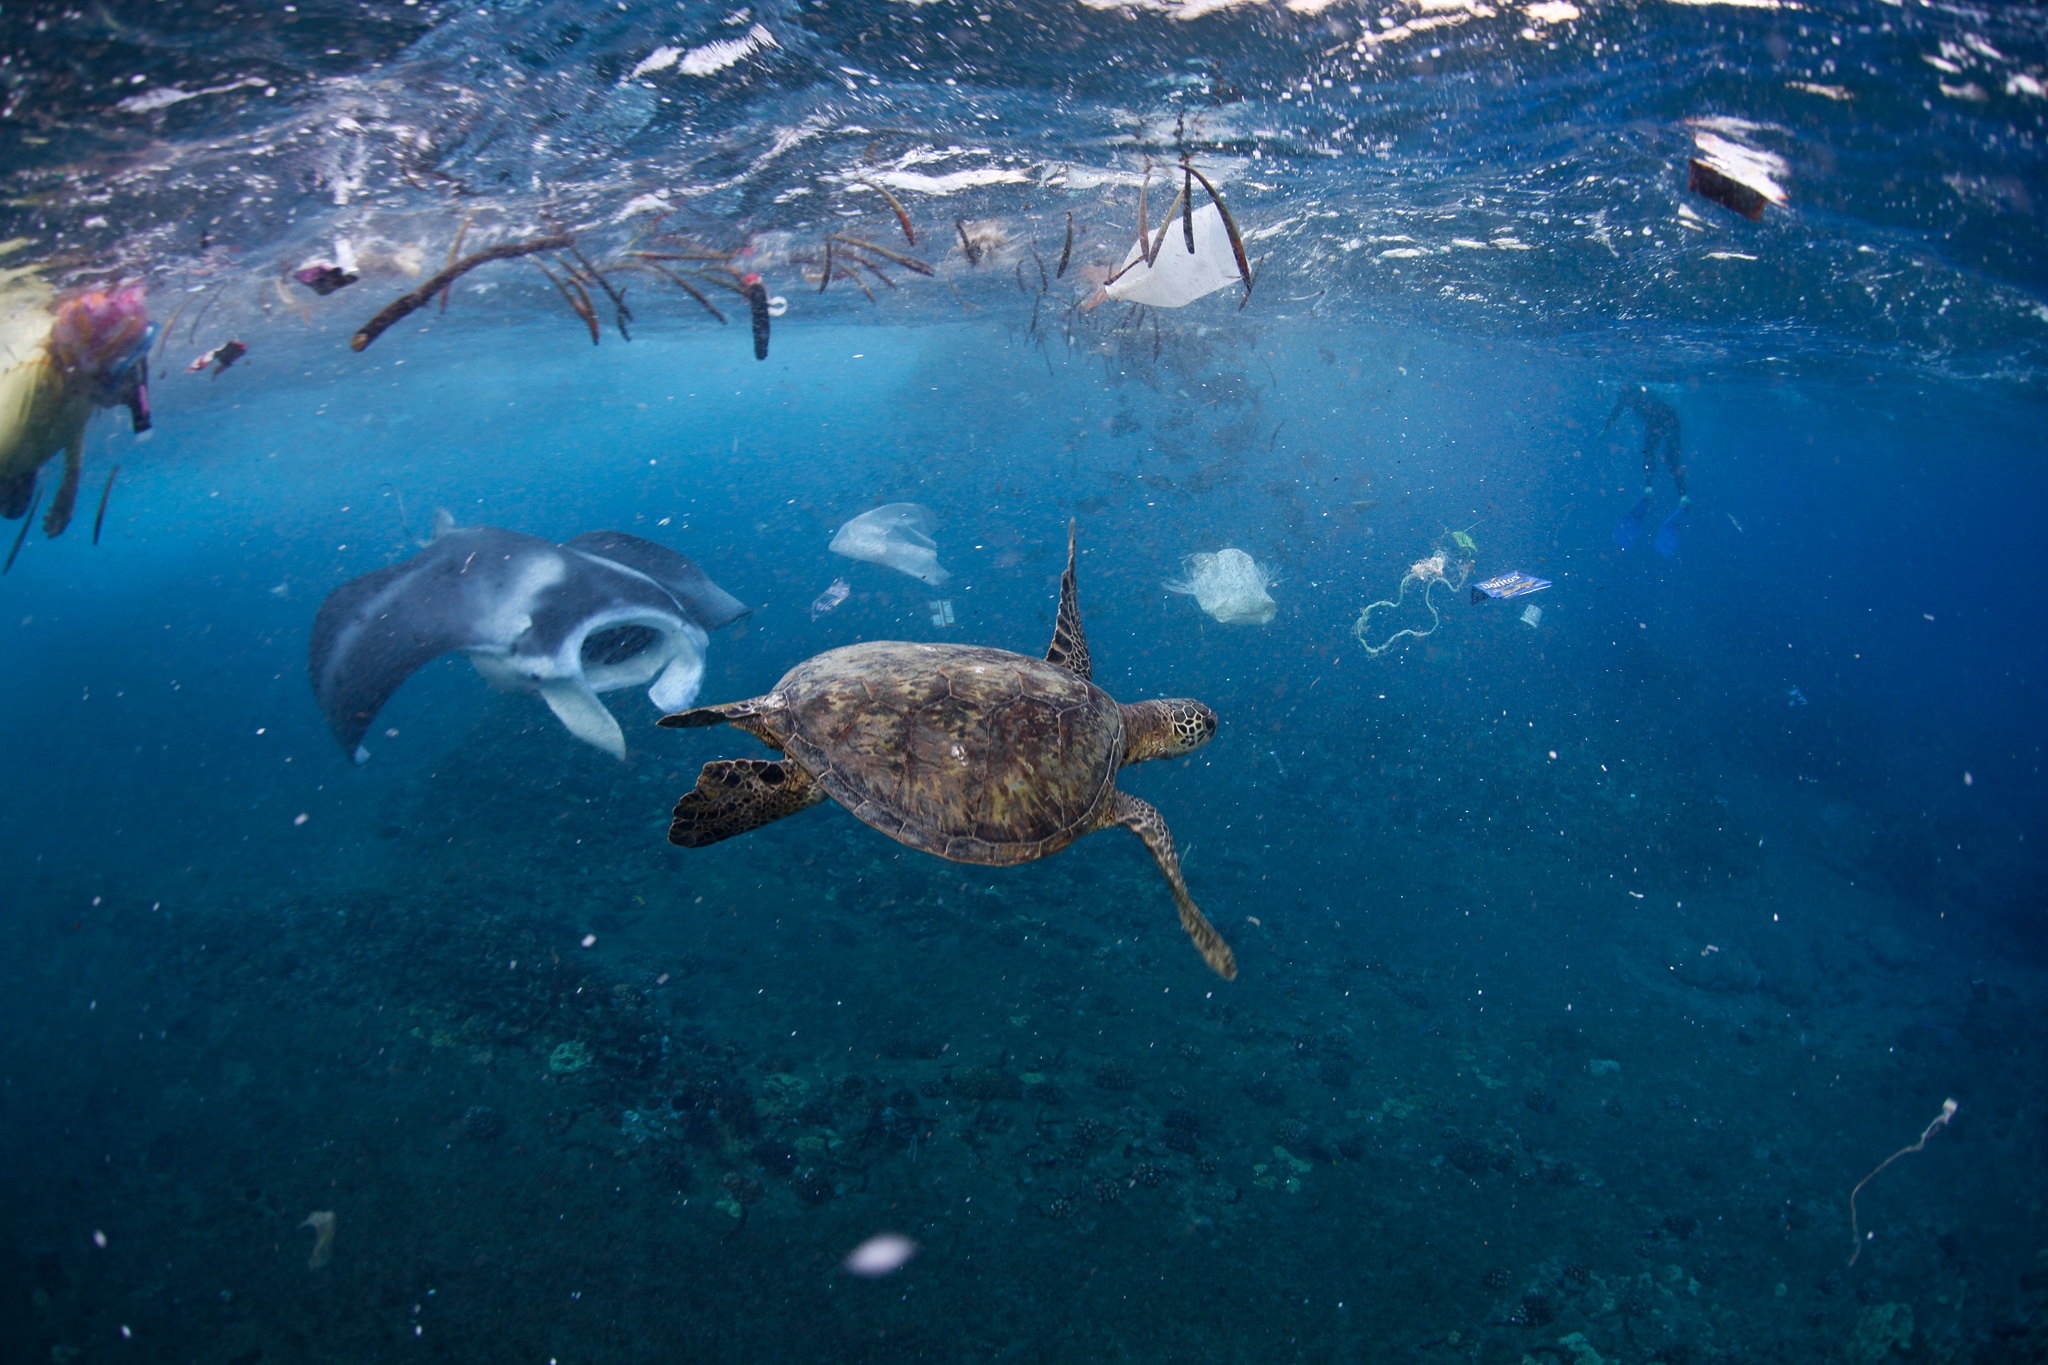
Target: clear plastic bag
[(898, 534), (1230, 585)]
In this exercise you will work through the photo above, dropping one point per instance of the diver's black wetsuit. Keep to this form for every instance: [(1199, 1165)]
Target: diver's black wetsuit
[(1660, 426)]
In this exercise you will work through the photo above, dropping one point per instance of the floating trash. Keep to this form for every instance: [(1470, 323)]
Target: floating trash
[(829, 600), (898, 534), (1428, 572), (942, 612), (879, 1255), (1230, 585), (1516, 584), (1175, 278), (1532, 616), (1735, 176)]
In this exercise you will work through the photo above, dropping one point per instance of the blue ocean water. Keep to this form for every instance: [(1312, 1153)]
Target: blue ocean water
[(1586, 963)]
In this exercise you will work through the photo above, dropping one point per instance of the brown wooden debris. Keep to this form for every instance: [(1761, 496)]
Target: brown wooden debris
[(400, 307), (902, 218)]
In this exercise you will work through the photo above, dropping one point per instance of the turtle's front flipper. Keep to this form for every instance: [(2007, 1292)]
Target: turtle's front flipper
[(745, 715), (1069, 646), (1149, 825), (735, 795)]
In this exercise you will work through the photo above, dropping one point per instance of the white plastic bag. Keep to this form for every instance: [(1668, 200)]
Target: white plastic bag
[(898, 534), (1230, 585), (1175, 278)]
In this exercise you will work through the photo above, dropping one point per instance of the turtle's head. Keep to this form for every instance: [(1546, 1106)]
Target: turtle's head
[(1166, 729)]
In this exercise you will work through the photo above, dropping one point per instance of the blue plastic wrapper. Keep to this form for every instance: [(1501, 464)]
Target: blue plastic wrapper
[(1517, 584)]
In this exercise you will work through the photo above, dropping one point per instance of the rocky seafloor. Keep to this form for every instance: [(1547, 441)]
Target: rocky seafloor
[(568, 1101)]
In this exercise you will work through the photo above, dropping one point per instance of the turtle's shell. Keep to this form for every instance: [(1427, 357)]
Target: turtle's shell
[(978, 755)]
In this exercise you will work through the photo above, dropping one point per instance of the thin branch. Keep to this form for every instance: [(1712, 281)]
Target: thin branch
[(902, 218), (400, 307), (907, 262)]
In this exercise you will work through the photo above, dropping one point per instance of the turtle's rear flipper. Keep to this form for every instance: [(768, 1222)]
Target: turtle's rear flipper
[(1146, 822), (735, 795)]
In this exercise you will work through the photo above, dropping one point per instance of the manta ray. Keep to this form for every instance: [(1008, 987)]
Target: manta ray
[(603, 611)]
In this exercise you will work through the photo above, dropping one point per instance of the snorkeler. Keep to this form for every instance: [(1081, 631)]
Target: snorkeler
[(1660, 427), (94, 355)]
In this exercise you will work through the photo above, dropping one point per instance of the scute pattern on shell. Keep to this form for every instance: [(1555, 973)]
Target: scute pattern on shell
[(974, 754)]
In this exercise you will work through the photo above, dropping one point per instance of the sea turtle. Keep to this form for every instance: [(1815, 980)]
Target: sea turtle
[(975, 754)]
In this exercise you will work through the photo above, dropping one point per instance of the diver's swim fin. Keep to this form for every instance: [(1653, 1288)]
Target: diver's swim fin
[(1667, 534), (1631, 524)]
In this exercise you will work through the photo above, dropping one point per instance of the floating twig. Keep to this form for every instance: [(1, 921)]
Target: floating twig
[(1180, 202), (619, 309), (581, 303), (1187, 194), (1022, 287), (1144, 228), (967, 243), (1244, 266), (101, 516), (1067, 251), (582, 310), (454, 254), (1043, 283), (692, 290), (26, 522), (192, 332), (825, 275), (725, 281), (859, 284), (398, 308), (907, 262), (902, 218), (171, 326), (682, 255), (876, 270)]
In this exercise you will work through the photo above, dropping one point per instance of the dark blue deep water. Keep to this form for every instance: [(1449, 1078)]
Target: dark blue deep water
[(1585, 965)]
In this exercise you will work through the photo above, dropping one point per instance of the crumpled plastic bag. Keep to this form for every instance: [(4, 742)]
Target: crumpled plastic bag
[(1175, 278), (898, 534), (1230, 585)]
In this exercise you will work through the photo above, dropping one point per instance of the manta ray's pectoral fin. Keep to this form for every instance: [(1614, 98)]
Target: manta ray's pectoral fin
[(1069, 646), (678, 684), (735, 795), (577, 707)]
